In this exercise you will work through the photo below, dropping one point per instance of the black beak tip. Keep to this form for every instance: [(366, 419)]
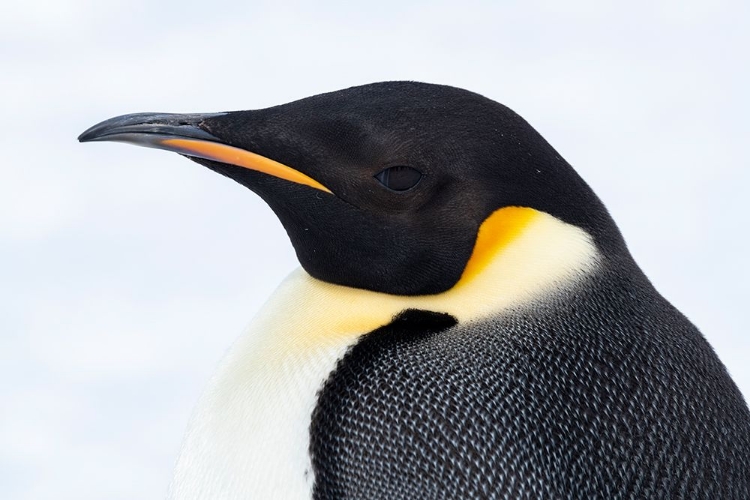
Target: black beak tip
[(88, 135), (114, 126)]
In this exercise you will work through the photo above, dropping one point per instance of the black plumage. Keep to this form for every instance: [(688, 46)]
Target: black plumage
[(605, 391)]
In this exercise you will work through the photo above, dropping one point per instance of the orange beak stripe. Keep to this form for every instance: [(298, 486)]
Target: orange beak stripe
[(241, 158)]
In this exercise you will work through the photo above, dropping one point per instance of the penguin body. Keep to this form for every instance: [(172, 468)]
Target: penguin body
[(468, 322)]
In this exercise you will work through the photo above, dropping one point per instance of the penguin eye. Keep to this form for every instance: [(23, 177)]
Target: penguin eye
[(399, 178)]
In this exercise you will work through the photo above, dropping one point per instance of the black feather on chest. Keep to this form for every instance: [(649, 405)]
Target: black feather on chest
[(606, 392)]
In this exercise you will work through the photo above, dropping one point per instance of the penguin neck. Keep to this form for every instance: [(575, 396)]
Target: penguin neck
[(520, 256)]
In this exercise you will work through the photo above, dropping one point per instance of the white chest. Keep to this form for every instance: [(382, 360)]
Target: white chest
[(249, 434)]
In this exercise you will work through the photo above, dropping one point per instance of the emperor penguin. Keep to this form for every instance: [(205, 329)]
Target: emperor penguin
[(467, 321)]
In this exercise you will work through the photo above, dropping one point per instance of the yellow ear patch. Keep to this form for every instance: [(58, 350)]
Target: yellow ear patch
[(499, 230)]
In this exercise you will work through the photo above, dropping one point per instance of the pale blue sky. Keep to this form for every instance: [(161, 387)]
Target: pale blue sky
[(126, 272)]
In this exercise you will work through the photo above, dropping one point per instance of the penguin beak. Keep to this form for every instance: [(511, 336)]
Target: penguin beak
[(181, 133)]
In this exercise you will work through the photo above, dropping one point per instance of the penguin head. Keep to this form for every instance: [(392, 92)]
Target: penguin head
[(384, 186)]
